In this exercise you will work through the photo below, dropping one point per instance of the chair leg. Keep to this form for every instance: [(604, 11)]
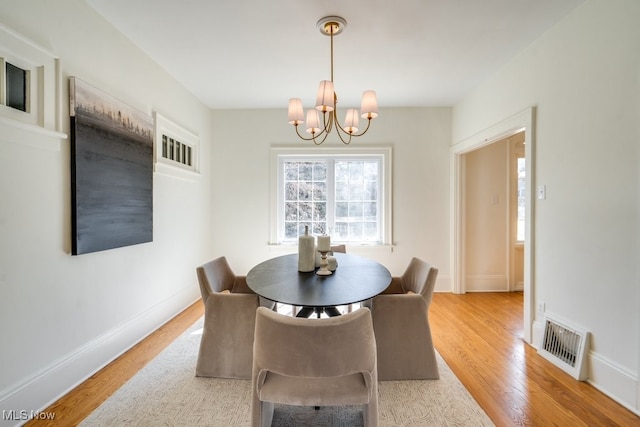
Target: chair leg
[(266, 414)]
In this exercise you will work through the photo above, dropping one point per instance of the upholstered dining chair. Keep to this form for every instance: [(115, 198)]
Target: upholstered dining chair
[(226, 346), (339, 248), (314, 362), (401, 324), (343, 250)]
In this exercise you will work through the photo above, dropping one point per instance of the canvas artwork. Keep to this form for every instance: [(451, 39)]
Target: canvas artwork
[(111, 171)]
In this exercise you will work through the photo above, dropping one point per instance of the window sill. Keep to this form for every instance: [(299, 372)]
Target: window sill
[(31, 135), (277, 249), (175, 172)]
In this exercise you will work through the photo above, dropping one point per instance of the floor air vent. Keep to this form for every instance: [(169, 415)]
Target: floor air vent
[(565, 347)]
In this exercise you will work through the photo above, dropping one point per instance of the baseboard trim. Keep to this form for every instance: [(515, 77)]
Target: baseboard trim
[(486, 283), (38, 391), (614, 381), (605, 375)]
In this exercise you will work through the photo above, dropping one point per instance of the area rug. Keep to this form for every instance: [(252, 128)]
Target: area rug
[(166, 392)]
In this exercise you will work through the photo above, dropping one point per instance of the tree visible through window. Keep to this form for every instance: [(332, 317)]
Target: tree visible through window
[(522, 173), (305, 198), (356, 212), (332, 195)]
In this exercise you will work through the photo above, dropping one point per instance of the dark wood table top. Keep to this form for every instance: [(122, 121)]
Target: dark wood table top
[(356, 279)]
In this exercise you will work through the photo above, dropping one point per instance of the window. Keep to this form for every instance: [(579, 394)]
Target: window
[(15, 87), (176, 149), (30, 90), (16, 83), (173, 149), (344, 196), (522, 174)]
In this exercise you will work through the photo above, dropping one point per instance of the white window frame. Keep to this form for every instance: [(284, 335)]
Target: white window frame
[(26, 68), (44, 91), (280, 153), (166, 166)]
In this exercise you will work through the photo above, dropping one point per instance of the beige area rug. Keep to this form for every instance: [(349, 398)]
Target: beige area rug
[(166, 392)]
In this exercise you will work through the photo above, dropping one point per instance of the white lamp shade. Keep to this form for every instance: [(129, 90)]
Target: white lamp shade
[(351, 121), (313, 121), (369, 106), (296, 113), (325, 98)]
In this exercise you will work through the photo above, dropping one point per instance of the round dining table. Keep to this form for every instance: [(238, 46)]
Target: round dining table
[(355, 279)]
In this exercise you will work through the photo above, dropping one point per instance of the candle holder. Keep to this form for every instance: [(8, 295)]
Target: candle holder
[(323, 270)]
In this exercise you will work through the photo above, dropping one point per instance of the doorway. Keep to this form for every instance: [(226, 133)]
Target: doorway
[(521, 122), (493, 215)]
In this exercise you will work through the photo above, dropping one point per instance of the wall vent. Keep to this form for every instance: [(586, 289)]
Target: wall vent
[(565, 346)]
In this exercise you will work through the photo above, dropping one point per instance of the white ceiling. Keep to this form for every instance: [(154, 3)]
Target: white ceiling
[(260, 53)]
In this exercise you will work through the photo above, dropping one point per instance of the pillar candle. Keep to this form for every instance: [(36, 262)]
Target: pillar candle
[(332, 263), (324, 243)]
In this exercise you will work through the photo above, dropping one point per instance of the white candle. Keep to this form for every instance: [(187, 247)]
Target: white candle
[(332, 263), (324, 243)]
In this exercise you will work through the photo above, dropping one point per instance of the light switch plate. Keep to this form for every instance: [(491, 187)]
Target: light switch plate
[(542, 192)]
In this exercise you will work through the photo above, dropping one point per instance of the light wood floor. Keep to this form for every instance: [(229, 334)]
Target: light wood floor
[(479, 336)]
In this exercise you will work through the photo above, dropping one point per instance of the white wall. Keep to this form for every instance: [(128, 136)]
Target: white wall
[(420, 138), (62, 317), (486, 216), (583, 76)]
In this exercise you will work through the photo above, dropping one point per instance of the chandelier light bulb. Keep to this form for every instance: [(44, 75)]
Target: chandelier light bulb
[(313, 122), (369, 106), (351, 121), (296, 112), (326, 96)]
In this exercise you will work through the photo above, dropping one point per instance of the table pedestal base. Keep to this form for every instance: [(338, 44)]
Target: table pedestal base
[(308, 311)]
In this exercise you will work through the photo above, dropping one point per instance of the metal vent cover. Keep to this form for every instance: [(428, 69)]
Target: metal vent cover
[(565, 346)]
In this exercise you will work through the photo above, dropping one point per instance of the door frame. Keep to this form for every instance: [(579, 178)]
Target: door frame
[(523, 121)]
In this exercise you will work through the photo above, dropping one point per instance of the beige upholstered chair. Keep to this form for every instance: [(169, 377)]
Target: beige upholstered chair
[(226, 346), (343, 250), (314, 362), (401, 324), (339, 248)]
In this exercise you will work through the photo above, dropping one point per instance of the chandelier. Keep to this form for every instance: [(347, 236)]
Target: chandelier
[(327, 99)]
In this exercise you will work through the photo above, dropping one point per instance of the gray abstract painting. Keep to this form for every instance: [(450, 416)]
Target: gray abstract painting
[(111, 171)]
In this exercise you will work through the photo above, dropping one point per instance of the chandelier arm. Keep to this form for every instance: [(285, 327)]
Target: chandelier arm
[(325, 130), (364, 131), (328, 124), (348, 141), (321, 141), (340, 129), (311, 138), (315, 139)]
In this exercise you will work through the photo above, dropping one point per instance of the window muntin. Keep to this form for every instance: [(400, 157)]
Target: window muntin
[(175, 149), (337, 195), (356, 205), (305, 197)]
